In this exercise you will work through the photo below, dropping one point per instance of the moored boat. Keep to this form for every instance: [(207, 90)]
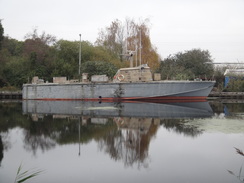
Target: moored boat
[(128, 84)]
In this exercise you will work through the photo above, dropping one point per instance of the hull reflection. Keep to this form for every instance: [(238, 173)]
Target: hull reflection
[(96, 109)]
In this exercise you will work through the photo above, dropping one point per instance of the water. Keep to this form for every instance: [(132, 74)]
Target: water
[(74, 141)]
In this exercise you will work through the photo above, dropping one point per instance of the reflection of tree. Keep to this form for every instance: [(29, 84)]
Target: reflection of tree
[(46, 133), (5, 144), (42, 134), (1, 150), (178, 126), (10, 116), (129, 143), (35, 142), (227, 108), (111, 143), (217, 107), (235, 107)]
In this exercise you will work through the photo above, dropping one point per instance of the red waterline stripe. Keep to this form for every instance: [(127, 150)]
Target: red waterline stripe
[(175, 98)]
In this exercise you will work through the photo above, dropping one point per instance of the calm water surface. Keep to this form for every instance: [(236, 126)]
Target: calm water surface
[(122, 142)]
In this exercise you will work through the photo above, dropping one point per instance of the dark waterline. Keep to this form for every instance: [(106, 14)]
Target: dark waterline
[(111, 142)]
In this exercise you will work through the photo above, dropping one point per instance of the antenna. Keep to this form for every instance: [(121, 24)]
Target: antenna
[(130, 53)]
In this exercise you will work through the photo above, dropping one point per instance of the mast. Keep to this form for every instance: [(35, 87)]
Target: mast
[(80, 56), (136, 56), (140, 48)]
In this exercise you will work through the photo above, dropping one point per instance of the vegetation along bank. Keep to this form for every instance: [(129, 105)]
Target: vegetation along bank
[(45, 56)]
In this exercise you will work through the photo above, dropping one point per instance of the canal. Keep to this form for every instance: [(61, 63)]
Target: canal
[(76, 141)]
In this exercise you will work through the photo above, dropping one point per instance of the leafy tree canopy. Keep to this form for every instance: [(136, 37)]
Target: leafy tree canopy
[(235, 85), (99, 68), (1, 34), (187, 65)]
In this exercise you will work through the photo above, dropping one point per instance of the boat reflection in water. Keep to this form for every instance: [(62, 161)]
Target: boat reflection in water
[(123, 130), (96, 109)]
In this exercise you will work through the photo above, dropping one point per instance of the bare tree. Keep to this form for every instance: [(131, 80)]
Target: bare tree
[(125, 39), (46, 39)]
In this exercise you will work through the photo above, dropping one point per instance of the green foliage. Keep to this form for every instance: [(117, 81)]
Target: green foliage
[(66, 63), (20, 61), (25, 175), (68, 51), (9, 88), (235, 85), (13, 46), (15, 72), (1, 34), (219, 77), (169, 69), (41, 55), (196, 60), (189, 65), (98, 68)]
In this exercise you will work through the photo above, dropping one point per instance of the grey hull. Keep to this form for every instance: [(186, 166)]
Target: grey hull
[(132, 91)]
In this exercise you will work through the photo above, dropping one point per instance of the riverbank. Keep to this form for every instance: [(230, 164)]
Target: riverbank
[(10, 95), (226, 95)]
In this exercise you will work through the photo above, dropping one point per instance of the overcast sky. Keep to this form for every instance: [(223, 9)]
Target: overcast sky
[(175, 25)]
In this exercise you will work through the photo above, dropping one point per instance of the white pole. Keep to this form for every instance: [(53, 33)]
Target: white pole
[(80, 56), (136, 56), (140, 53), (140, 47)]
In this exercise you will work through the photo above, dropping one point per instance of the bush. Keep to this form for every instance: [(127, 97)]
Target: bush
[(235, 86)]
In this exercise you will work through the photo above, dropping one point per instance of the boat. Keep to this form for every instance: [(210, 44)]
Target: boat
[(128, 84)]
